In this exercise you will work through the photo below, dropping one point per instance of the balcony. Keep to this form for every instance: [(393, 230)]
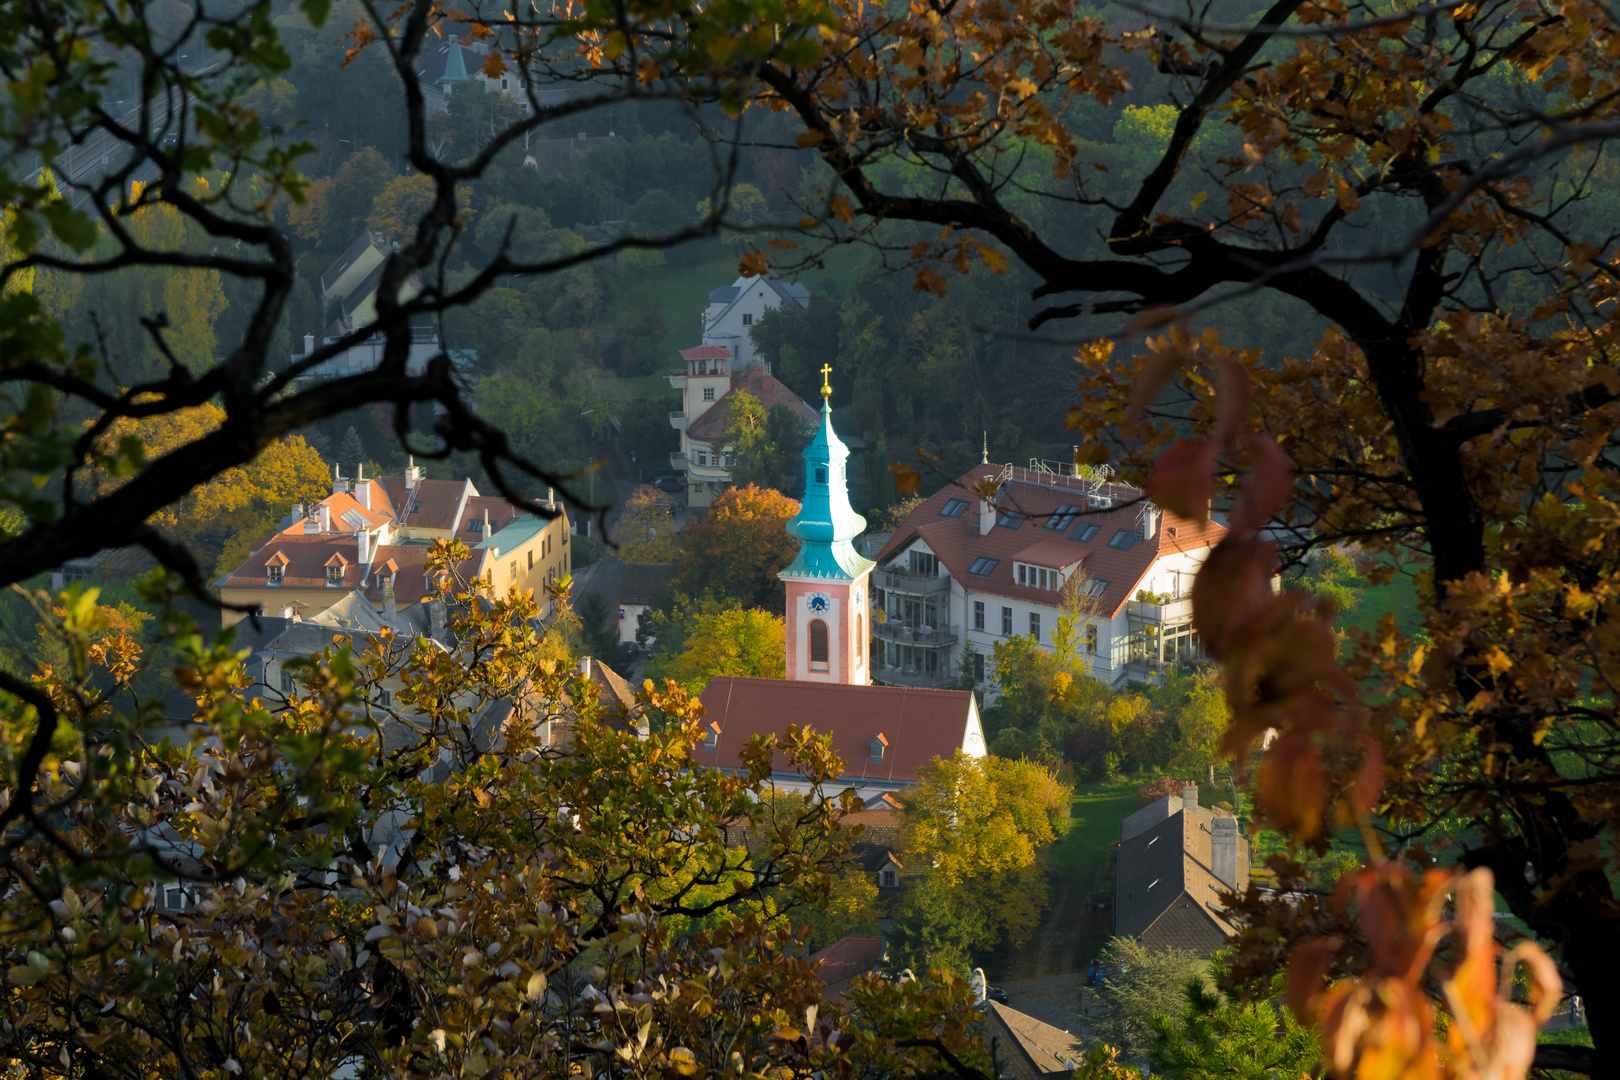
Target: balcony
[(1174, 612), (936, 637), (888, 675), (677, 420), (677, 461), (904, 581), (677, 380)]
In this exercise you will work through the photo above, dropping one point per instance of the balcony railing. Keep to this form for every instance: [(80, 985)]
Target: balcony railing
[(677, 420), (1174, 611), (931, 637), (677, 380), (677, 461), (942, 679), (903, 581)]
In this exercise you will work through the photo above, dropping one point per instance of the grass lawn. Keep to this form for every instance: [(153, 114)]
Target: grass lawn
[(1399, 597), (1073, 932)]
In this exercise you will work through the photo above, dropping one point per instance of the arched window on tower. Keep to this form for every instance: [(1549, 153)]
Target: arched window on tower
[(818, 645), (860, 635)]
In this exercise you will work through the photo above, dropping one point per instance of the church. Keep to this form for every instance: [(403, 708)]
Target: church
[(884, 734)]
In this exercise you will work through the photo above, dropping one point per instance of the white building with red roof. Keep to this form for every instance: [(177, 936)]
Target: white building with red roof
[(709, 380), (961, 574)]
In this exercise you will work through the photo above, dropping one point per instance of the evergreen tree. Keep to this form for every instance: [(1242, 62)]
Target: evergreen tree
[(599, 631), (1218, 1038), (351, 451)]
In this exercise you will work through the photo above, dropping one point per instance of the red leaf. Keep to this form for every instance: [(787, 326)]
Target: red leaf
[(1291, 785), (1184, 479), (1266, 485), (1307, 975), (1230, 587), (1232, 403)]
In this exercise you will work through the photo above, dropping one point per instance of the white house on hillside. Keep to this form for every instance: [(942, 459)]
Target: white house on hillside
[(733, 311), (959, 574)]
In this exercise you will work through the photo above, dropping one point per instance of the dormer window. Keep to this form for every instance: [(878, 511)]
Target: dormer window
[(334, 575), (889, 879), (711, 737), (476, 525), (1037, 577), (876, 747), (273, 575)]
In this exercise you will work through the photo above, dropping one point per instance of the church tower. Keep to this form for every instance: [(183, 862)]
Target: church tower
[(828, 621)]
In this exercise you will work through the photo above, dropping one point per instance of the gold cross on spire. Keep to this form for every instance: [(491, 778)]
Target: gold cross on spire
[(826, 387)]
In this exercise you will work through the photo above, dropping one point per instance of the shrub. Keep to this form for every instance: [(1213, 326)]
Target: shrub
[(1153, 790)]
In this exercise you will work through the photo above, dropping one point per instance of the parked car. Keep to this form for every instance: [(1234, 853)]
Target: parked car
[(996, 994)]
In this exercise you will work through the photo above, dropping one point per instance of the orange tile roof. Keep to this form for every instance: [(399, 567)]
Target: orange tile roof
[(843, 961), (501, 514), (304, 559), (1053, 553), (770, 391), (434, 502), (958, 544), (919, 725), (706, 352)]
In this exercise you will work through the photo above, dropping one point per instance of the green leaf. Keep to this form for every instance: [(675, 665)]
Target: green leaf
[(315, 11), (73, 227)]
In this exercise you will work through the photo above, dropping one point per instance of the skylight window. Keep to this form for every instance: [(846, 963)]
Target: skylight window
[(983, 565), (1011, 519), (1097, 587), (953, 508), (1123, 539), (1084, 531), (1063, 517)]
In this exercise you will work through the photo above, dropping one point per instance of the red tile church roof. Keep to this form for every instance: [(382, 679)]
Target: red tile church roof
[(919, 725)]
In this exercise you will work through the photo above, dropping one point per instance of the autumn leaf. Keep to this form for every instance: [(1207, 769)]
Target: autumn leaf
[(906, 479), (1184, 479), (930, 280), (754, 264)]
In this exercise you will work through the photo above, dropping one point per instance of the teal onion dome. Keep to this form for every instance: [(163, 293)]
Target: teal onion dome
[(826, 523)]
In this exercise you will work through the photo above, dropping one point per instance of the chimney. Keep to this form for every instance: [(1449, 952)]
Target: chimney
[(297, 512), (364, 536), (436, 618), (390, 606), (413, 475), (1150, 521), (1077, 462), (309, 345), (1189, 797), (337, 480), (362, 490), (487, 533), (987, 517), (584, 667), (289, 612), (551, 499), (1224, 857), (326, 518)]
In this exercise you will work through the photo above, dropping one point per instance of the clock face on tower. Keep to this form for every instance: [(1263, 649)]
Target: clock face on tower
[(818, 603)]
